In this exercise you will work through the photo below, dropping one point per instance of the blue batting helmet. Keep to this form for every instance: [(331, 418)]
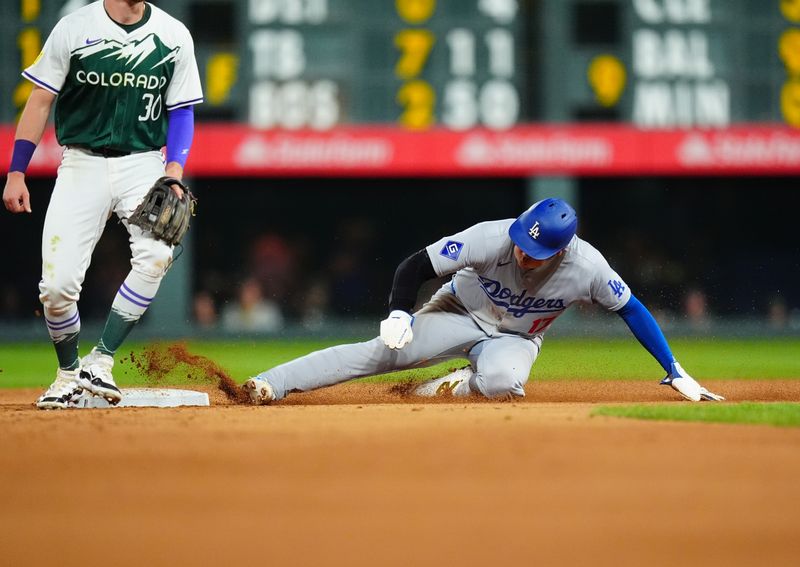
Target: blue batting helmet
[(545, 229)]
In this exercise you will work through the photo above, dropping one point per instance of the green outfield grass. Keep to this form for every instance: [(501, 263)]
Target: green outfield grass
[(780, 414), (33, 365)]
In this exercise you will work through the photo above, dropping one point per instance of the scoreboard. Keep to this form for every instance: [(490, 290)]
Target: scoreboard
[(511, 68), (462, 64), (319, 63)]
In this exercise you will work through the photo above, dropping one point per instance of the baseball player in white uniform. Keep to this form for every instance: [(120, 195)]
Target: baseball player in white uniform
[(124, 79), (511, 280)]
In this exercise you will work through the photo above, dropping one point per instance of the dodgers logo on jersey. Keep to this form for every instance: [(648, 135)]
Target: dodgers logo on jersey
[(534, 231), (617, 287), (519, 304), (451, 249)]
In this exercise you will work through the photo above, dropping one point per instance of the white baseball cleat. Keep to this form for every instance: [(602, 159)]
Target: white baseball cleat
[(62, 391), (95, 377), (454, 384), (259, 390)]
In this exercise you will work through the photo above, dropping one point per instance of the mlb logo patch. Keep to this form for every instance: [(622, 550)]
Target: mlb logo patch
[(452, 249)]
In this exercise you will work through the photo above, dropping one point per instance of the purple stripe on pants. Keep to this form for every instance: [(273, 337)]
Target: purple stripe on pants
[(122, 293), (136, 295), (58, 325)]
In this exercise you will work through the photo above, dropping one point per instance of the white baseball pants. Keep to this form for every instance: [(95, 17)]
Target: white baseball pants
[(87, 191)]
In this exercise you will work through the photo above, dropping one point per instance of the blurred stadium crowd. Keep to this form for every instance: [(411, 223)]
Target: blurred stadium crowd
[(307, 253)]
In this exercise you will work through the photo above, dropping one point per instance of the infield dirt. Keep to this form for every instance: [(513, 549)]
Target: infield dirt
[(358, 475)]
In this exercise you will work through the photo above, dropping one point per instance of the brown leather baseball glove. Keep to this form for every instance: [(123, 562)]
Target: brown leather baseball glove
[(161, 212)]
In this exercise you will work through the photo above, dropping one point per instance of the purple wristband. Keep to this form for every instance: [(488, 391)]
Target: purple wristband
[(23, 152)]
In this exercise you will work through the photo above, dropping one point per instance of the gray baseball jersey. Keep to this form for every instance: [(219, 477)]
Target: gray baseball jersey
[(502, 298)]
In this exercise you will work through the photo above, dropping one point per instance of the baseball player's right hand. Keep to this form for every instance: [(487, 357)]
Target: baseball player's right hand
[(687, 386), (15, 195), (396, 329)]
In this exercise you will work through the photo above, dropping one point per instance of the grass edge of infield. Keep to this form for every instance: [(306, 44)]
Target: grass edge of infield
[(779, 414)]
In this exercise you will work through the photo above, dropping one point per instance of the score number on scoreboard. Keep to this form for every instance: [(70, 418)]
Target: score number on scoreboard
[(464, 103), (453, 62)]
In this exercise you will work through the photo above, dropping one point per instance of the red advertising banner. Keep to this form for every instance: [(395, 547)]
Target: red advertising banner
[(237, 150)]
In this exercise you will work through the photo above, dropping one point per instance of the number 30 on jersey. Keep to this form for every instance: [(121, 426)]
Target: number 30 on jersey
[(152, 107)]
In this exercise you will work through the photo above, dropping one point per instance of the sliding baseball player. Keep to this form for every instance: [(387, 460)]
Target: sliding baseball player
[(511, 279)]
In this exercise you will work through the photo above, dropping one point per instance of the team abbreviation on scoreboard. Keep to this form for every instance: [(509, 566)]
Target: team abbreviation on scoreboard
[(676, 78)]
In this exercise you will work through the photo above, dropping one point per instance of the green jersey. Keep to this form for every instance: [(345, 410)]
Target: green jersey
[(115, 84)]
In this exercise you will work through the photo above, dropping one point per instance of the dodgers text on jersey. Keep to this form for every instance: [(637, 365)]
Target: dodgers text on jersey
[(518, 304)]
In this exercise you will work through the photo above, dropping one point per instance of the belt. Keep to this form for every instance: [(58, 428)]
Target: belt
[(105, 151)]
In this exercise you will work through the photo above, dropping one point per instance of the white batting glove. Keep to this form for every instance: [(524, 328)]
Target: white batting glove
[(687, 386), (396, 329)]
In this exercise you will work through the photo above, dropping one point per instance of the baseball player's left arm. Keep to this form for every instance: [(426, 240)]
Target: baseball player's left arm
[(180, 133), (183, 92), (611, 291), (645, 328)]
